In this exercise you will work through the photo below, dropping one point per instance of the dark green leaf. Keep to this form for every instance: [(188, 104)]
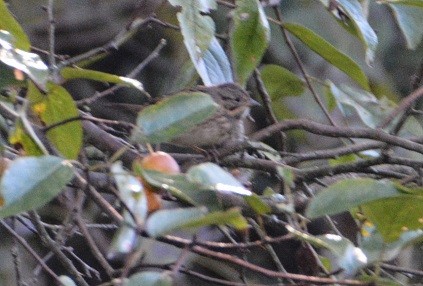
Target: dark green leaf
[(30, 183), (249, 38), (349, 193), (365, 33), (410, 21), (54, 107), (173, 116), (8, 23), (329, 53), (280, 82)]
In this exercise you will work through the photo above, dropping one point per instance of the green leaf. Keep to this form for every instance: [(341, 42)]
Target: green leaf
[(212, 176), (72, 73), (345, 159), (417, 3), (249, 38), (183, 189), (410, 21), (393, 216), (19, 136), (257, 204), (280, 82), (31, 182), (150, 278), (165, 221), (377, 249), (371, 110), (329, 53), (349, 257), (198, 32), (54, 107), (8, 23), (173, 116), (349, 193), (29, 63), (365, 33)]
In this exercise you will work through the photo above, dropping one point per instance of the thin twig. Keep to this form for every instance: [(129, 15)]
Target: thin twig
[(154, 54), (23, 242), (301, 66), (52, 245), (267, 106), (52, 28)]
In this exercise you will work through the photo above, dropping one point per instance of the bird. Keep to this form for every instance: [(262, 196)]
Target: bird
[(226, 125)]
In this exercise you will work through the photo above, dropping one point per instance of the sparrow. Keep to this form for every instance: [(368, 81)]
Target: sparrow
[(224, 127)]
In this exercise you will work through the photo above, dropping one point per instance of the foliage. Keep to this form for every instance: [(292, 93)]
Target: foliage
[(61, 153)]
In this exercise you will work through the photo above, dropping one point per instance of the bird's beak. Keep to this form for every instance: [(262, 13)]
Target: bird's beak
[(253, 102)]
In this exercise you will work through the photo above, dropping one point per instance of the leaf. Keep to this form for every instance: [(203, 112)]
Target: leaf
[(417, 3), (183, 189), (66, 280), (349, 257), (29, 63), (350, 101), (150, 278), (214, 67), (173, 116), (198, 32), (365, 33), (8, 23), (72, 73), (166, 221), (280, 82), (257, 204), (349, 193), (371, 110), (212, 176), (31, 182), (377, 249), (410, 21), (329, 53), (132, 194), (393, 216), (249, 38), (19, 137), (54, 107)]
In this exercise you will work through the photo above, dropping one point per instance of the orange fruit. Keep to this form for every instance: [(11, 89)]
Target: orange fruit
[(156, 161)]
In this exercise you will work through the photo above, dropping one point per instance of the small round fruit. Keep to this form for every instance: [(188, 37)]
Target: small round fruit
[(160, 161), (156, 161)]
